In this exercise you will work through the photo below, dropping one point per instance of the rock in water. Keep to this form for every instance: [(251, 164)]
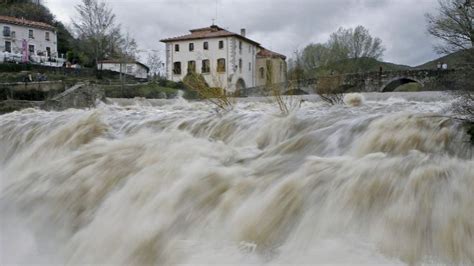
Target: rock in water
[(354, 99), (79, 96)]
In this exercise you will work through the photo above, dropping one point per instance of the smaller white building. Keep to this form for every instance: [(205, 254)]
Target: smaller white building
[(132, 68), (24, 40)]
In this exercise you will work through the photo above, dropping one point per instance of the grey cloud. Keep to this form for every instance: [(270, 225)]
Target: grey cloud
[(280, 25)]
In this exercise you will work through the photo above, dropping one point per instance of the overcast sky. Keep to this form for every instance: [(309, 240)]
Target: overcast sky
[(280, 25)]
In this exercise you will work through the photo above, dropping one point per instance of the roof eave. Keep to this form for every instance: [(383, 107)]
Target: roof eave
[(212, 37)]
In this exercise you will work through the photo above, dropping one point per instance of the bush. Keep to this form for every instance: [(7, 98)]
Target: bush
[(330, 89), (217, 96), (14, 67), (151, 91)]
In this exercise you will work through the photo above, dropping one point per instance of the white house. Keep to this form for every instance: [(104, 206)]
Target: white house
[(132, 68), (225, 59), (27, 40)]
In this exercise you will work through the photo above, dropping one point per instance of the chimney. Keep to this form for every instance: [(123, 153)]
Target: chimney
[(242, 32)]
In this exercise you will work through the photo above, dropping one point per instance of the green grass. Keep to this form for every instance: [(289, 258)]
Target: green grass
[(150, 90)]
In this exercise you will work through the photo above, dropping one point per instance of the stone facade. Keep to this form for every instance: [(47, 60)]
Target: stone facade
[(271, 68), (386, 81)]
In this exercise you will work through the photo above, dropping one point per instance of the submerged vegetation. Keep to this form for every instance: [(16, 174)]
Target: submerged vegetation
[(216, 95)]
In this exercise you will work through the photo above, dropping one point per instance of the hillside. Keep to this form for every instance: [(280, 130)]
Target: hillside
[(359, 65), (453, 60)]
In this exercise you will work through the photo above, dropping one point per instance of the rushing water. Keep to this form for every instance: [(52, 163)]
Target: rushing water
[(176, 182)]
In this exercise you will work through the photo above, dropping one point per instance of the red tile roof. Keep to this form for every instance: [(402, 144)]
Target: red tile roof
[(27, 23), (213, 31), (267, 53)]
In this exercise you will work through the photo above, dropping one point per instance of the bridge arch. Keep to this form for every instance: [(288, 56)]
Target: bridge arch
[(393, 84)]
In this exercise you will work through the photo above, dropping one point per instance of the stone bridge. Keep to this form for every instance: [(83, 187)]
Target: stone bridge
[(385, 81)]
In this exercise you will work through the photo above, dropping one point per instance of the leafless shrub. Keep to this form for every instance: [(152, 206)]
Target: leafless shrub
[(215, 95), (329, 89), (276, 90), (463, 106)]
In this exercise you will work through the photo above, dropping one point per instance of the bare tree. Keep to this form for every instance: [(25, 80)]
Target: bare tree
[(329, 89), (344, 45), (453, 25), (154, 62), (315, 56), (354, 43), (128, 47), (98, 33)]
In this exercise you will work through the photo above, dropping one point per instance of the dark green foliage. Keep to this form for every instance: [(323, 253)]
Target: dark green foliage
[(4, 93), (150, 90), (65, 39), (356, 66), (171, 84), (28, 10), (14, 68), (470, 131), (195, 80)]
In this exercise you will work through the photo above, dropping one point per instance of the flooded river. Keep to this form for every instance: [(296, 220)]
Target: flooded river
[(141, 182)]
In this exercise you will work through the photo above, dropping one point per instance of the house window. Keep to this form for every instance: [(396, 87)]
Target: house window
[(221, 44), (46, 36), (31, 49), (206, 66), (177, 68), (206, 46), (191, 66), (250, 66), (240, 65), (269, 71), (48, 51), (31, 34), (176, 47), (262, 72), (129, 69), (240, 46), (221, 65), (6, 31), (191, 47), (8, 47), (250, 49)]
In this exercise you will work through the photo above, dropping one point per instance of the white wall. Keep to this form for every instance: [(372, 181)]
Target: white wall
[(21, 33), (230, 53), (133, 69)]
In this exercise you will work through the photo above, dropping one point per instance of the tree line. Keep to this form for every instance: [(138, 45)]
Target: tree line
[(352, 44), (355, 50)]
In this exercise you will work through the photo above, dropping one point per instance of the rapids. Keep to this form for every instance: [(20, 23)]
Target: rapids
[(389, 180)]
